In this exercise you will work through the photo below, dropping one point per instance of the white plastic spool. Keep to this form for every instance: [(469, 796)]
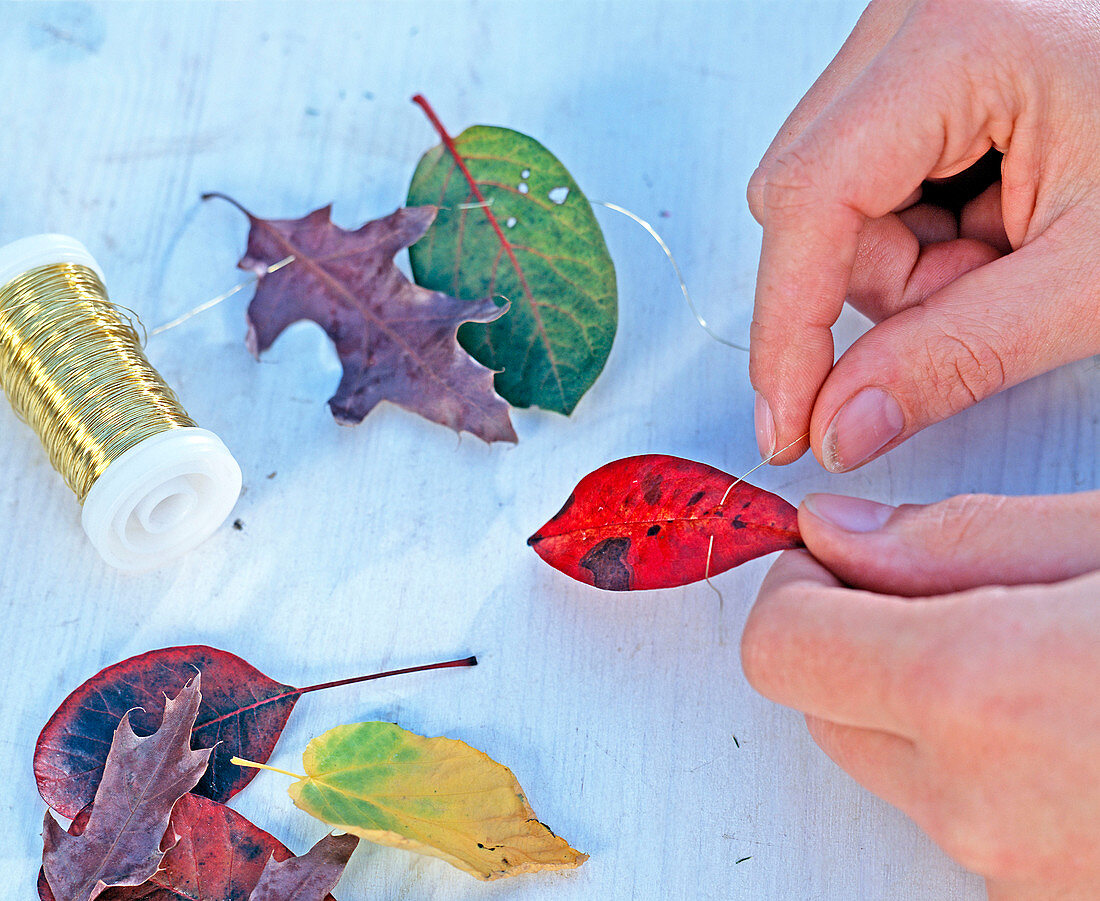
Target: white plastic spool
[(163, 496)]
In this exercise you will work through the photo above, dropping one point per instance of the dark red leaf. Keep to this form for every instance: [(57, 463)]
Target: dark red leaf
[(120, 843), (309, 877), (243, 713), (648, 522), (396, 340), (219, 856)]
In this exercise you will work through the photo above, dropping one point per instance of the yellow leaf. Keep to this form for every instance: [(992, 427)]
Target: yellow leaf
[(436, 796)]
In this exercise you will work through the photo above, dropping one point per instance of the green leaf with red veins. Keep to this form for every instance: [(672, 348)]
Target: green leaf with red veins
[(513, 224)]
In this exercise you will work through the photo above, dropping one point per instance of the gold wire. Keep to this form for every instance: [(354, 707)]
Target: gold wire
[(74, 371)]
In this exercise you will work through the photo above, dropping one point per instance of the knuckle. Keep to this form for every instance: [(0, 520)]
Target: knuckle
[(963, 368), (939, 10), (788, 183), (958, 520), (755, 193), (932, 10)]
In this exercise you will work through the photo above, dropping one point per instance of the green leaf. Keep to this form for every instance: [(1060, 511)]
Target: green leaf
[(437, 796), (546, 256)]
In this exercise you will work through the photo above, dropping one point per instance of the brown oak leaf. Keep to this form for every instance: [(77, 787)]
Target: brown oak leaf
[(142, 780), (309, 877), (395, 340)]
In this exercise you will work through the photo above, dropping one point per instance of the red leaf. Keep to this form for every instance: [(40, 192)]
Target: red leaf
[(142, 780), (219, 856), (396, 340), (648, 522), (309, 877), (243, 713)]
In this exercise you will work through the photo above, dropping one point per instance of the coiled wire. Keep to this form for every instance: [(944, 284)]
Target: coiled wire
[(74, 370)]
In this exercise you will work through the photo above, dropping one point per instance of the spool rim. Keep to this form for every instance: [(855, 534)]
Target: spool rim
[(123, 501), (27, 254)]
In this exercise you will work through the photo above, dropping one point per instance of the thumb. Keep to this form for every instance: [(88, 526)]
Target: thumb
[(993, 327), (963, 542)]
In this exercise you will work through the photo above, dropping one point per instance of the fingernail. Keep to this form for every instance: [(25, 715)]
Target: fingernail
[(765, 427), (853, 514), (863, 426)]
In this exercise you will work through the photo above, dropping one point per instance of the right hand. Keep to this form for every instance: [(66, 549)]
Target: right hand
[(966, 305), (953, 672)]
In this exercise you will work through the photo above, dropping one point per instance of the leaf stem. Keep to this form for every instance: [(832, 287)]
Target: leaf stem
[(210, 195), (465, 661), (240, 761), (422, 101)]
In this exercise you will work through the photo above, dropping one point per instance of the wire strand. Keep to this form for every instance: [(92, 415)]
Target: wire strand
[(737, 481), (703, 324), (221, 298)]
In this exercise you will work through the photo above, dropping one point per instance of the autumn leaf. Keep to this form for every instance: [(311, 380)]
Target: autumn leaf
[(142, 780), (243, 712), (514, 223), (309, 877), (395, 340), (436, 796), (655, 521), (213, 854)]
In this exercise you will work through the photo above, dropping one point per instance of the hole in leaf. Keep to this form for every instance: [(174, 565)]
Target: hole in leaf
[(526, 173), (522, 187), (558, 195), (511, 222)]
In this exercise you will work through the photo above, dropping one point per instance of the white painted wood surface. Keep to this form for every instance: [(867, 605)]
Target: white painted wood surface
[(396, 543)]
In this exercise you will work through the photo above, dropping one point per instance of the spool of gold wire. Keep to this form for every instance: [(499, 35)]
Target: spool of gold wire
[(152, 484)]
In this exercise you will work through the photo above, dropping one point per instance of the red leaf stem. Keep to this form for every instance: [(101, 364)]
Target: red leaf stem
[(465, 661), (448, 142)]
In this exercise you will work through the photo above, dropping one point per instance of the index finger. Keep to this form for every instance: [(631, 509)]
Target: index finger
[(862, 157), (878, 23), (833, 652)]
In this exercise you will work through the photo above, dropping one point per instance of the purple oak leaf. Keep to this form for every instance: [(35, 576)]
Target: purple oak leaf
[(396, 340)]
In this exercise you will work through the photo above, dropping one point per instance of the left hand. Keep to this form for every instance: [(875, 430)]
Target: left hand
[(958, 677)]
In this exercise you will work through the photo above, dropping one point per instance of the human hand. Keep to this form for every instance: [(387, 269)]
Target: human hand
[(965, 305), (974, 709)]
